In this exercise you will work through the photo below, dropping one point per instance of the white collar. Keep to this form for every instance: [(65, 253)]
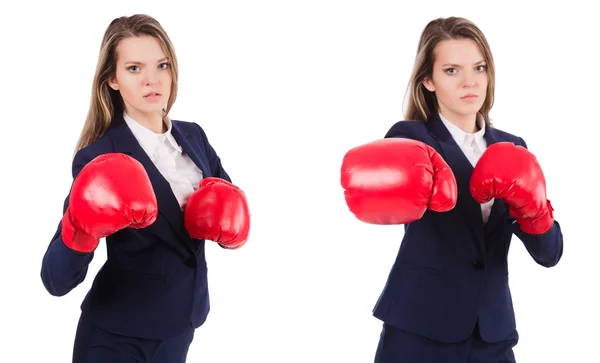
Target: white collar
[(148, 139), (459, 135)]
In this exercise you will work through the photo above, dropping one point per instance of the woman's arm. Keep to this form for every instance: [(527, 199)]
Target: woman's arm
[(63, 268)]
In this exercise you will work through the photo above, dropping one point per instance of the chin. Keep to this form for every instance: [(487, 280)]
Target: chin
[(150, 111), (470, 111)]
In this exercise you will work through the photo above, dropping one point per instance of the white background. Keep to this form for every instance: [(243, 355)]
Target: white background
[(283, 90)]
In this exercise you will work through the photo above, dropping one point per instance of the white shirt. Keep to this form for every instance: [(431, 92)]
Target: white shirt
[(175, 166), (472, 145)]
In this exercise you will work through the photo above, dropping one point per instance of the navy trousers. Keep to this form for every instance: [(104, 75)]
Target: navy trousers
[(95, 345), (398, 346)]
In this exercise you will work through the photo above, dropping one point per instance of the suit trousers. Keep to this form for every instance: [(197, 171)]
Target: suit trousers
[(398, 346), (96, 345)]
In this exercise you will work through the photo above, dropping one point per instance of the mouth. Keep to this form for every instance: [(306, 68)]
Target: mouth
[(152, 94), (469, 96)]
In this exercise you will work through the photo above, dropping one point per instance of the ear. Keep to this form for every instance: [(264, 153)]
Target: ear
[(429, 84), (112, 82)]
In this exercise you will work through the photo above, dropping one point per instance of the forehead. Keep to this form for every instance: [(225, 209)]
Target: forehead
[(457, 51), (144, 49)]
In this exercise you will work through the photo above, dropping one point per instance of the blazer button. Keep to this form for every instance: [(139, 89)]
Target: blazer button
[(478, 265), (191, 262)]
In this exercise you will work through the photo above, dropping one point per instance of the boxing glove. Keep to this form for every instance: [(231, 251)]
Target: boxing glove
[(512, 173), (218, 211), (112, 192), (395, 180)]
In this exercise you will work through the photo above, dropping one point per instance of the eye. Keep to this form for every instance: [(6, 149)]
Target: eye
[(164, 65), (482, 68), (450, 69), (131, 68)]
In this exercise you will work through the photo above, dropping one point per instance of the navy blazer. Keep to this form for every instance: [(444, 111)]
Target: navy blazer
[(451, 269), (153, 283)]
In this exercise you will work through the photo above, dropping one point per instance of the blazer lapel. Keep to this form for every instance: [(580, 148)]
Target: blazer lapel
[(462, 168), (168, 206), (192, 151)]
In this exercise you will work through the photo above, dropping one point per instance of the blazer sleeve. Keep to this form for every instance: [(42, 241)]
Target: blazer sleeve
[(216, 168), (546, 249), (62, 268)]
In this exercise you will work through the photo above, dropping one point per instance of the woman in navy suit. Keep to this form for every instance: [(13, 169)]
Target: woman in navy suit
[(156, 190), (462, 188)]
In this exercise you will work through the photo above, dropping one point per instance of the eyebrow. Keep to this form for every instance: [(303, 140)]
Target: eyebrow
[(140, 63), (458, 66)]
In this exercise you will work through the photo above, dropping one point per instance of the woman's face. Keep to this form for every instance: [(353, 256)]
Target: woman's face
[(142, 77), (459, 79)]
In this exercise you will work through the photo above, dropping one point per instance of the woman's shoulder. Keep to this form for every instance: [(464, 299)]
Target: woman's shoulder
[(506, 136), (102, 145), (189, 126), (412, 129)]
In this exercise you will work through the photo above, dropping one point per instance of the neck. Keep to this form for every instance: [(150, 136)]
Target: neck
[(467, 123), (152, 122)]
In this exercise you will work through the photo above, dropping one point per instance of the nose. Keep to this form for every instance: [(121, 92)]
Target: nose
[(151, 77), (469, 80)]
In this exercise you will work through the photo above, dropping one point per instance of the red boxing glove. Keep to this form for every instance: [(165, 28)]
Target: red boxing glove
[(218, 211), (395, 180), (112, 192), (510, 172)]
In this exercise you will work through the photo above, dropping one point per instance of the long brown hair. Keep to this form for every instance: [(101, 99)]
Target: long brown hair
[(422, 104), (105, 102)]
